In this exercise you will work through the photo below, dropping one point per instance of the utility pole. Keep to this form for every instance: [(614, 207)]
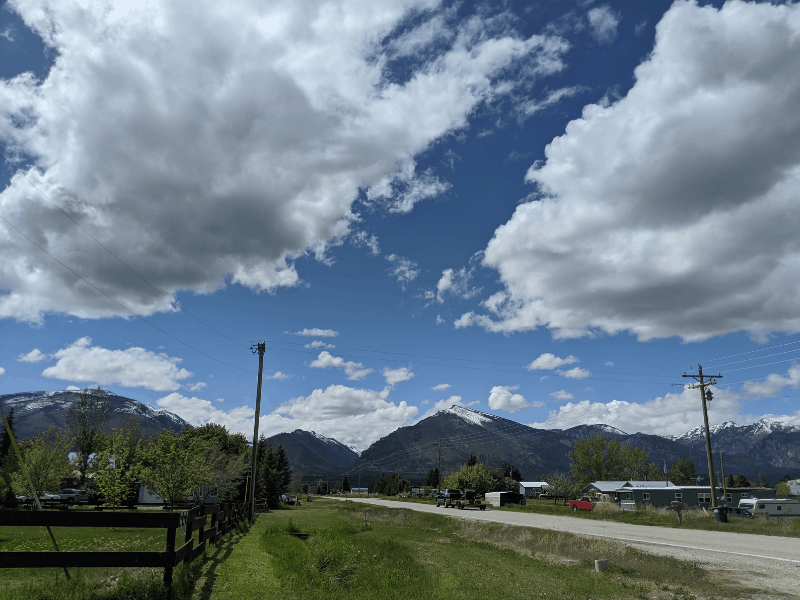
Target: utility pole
[(261, 347), (724, 485), (439, 478), (706, 396), (359, 477)]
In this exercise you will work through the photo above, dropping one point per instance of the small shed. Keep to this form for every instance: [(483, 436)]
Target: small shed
[(417, 490), (532, 489), (503, 498)]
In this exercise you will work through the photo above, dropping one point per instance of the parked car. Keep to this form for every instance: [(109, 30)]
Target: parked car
[(585, 503), (65, 496), (735, 511), (448, 497)]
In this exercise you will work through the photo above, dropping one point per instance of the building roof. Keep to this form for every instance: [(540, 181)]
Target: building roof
[(529, 484), (607, 487)]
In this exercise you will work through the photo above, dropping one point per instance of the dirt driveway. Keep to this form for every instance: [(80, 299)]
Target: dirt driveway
[(767, 563)]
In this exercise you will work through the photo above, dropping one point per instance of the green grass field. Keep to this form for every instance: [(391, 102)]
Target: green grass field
[(399, 554)]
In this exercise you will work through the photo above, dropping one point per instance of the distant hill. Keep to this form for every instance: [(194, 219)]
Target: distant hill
[(34, 412), (314, 455)]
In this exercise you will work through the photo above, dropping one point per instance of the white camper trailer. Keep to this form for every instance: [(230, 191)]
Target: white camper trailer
[(772, 508)]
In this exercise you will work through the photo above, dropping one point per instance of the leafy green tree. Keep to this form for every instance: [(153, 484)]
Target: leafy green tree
[(432, 478), (8, 459), (595, 458), (561, 486), (682, 472), (5, 439), (116, 469), (46, 460), (511, 471), (476, 477), (763, 481), (86, 419), (782, 490), (473, 460), (174, 467), (322, 487)]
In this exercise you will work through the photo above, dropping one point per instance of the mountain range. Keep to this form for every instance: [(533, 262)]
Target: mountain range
[(451, 436)]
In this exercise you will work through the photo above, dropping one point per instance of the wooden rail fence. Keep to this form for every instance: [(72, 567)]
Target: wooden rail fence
[(210, 521)]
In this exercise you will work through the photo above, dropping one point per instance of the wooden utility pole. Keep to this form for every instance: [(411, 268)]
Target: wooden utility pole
[(724, 485), (439, 478), (706, 395), (261, 347)]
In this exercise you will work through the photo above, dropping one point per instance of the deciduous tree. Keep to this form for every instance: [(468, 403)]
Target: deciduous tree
[(472, 477), (561, 486), (46, 462), (86, 419), (174, 467)]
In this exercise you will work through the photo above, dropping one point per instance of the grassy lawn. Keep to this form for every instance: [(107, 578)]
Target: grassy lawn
[(406, 554), (692, 519)]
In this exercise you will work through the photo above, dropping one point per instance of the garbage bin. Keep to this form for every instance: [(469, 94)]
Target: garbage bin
[(721, 515)]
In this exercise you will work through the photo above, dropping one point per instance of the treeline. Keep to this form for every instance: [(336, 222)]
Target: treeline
[(197, 463)]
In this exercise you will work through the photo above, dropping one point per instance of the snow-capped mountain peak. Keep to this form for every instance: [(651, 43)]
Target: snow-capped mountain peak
[(469, 415)]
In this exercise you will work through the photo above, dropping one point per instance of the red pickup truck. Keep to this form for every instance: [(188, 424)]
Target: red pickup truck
[(585, 503)]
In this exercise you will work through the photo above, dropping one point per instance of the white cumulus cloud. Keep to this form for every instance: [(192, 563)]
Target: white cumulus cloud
[(672, 211), (441, 387), (603, 23), (277, 375), (34, 356), (549, 360), (404, 270), (398, 375), (211, 143), (502, 398), (574, 373), (456, 282), (562, 395), (133, 367), (353, 370), (772, 385), (316, 332)]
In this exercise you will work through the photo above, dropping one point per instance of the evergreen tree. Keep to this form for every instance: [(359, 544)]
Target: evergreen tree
[(86, 419), (5, 439), (345, 484), (432, 478), (274, 473), (473, 460)]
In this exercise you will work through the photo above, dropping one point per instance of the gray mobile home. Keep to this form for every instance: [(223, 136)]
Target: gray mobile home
[(631, 498)]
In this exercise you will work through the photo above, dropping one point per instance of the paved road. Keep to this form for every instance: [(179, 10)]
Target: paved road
[(763, 562)]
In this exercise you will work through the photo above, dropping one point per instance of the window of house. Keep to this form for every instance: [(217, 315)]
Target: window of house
[(678, 496), (729, 497), (704, 498), (645, 496), (745, 495), (761, 506), (779, 507)]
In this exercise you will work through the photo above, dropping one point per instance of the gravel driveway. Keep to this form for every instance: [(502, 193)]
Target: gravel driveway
[(767, 563)]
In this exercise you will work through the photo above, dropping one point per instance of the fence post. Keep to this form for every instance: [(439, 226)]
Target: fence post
[(170, 552)]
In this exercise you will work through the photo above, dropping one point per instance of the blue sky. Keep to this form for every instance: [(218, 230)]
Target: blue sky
[(547, 211)]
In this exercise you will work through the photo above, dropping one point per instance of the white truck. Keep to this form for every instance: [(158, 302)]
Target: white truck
[(772, 508)]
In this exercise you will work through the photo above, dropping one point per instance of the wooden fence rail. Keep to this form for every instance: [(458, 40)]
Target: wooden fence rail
[(210, 522)]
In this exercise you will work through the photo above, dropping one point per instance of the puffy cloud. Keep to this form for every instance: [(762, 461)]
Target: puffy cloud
[(316, 332), (353, 370), (439, 319), (603, 23), (198, 411), (672, 414), (574, 373), (277, 375), (609, 363), (671, 212), (562, 395), (356, 417), (531, 107), (133, 367), (164, 130), (441, 387), (197, 387), (319, 344), (501, 398), (398, 375), (73, 388), (772, 385), (550, 361), (2, 371), (404, 270), (34, 356), (456, 283)]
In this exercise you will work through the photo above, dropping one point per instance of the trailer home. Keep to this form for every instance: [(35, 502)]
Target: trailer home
[(775, 509)]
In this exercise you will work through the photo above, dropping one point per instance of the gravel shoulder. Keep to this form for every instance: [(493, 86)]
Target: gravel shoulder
[(767, 563)]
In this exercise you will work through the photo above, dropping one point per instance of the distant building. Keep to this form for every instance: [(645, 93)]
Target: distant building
[(607, 490), (631, 498), (532, 489)]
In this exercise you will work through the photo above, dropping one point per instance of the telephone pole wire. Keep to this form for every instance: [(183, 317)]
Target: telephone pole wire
[(706, 395), (261, 347)]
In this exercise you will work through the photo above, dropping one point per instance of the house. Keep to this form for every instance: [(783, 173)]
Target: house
[(532, 489), (631, 498), (607, 490)]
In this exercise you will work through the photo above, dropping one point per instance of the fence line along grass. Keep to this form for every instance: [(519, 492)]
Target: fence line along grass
[(406, 554)]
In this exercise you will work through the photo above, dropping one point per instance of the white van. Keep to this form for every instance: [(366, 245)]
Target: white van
[(772, 508)]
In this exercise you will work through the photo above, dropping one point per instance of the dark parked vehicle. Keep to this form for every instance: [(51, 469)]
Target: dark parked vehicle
[(65, 496), (448, 497), (735, 511)]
